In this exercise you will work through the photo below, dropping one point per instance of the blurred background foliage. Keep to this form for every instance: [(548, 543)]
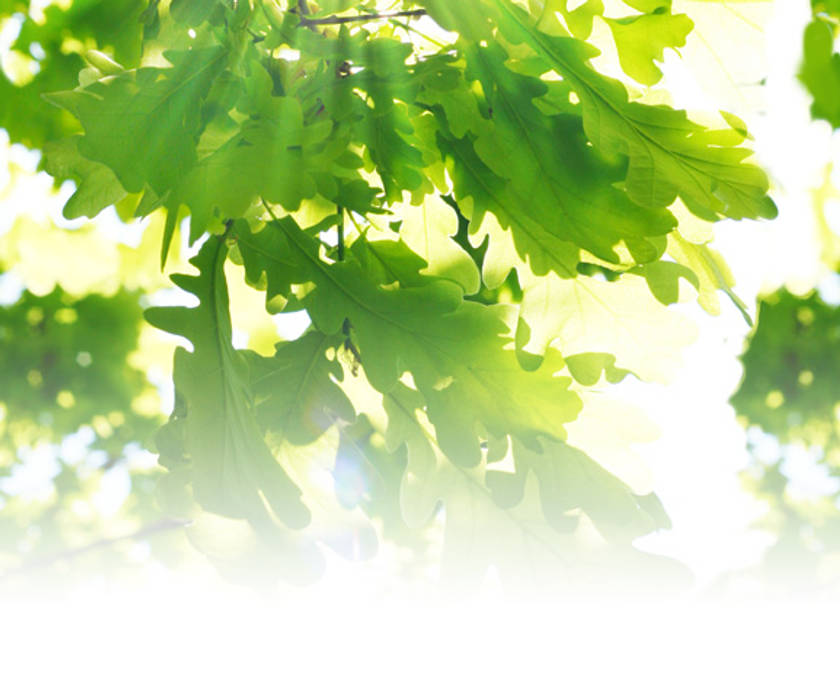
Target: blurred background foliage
[(77, 407), (790, 393)]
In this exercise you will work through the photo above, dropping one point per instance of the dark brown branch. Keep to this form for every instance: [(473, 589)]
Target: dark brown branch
[(162, 525), (307, 22)]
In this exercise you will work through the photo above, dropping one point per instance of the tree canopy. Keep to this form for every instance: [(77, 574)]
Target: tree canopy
[(484, 223)]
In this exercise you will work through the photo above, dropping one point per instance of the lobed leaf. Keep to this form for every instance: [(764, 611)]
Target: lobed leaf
[(295, 396), (456, 351), (669, 155), (231, 468)]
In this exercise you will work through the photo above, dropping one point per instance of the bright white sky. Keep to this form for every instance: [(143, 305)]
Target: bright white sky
[(702, 448), (696, 461)]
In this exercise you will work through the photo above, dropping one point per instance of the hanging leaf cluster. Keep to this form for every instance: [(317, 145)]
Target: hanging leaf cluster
[(484, 230)]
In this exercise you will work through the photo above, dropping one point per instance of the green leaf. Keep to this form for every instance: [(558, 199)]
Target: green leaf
[(144, 124), (641, 40), (103, 62), (820, 72), (551, 172), (332, 7), (478, 190), (456, 351), (192, 12), (386, 261), (580, 314), (231, 468), (478, 532), (663, 279), (273, 155), (346, 529), (587, 367), (294, 391), (97, 188), (619, 318), (569, 480), (469, 19), (427, 229), (711, 271), (368, 475), (669, 155), (578, 20), (530, 538), (444, 84)]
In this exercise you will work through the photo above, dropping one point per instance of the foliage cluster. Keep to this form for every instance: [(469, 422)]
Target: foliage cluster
[(485, 231)]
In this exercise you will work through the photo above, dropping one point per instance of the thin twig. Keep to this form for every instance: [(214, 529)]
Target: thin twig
[(355, 224), (162, 525), (307, 22), (408, 27), (340, 228)]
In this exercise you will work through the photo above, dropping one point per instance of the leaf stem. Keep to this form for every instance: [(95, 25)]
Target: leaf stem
[(340, 228), (268, 209), (356, 224)]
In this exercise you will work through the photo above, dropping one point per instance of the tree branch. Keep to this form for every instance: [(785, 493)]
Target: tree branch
[(162, 525), (307, 22)]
